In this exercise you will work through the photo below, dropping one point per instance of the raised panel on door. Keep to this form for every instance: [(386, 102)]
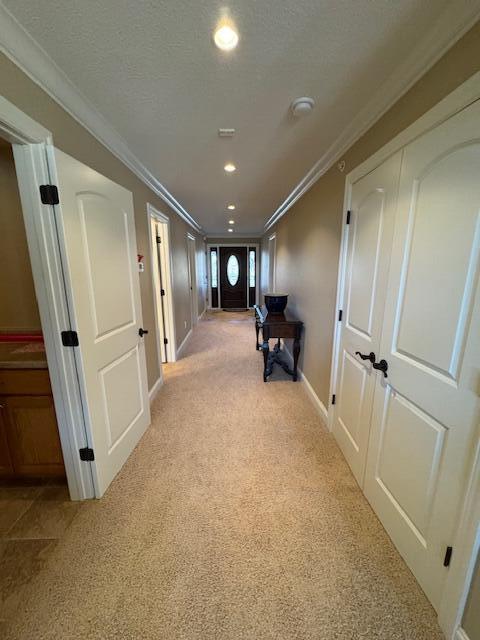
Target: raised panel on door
[(97, 220), (370, 232), (426, 411)]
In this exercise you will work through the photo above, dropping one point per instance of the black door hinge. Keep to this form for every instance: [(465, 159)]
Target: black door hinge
[(348, 216), (159, 240), (86, 454), (448, 557), (49, 194), (162, 292), (165, 341), (340, 313), (70, 339), (334, 398)]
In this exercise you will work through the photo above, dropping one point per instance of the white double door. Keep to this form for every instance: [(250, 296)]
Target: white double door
[(96, 228), (412, 299)]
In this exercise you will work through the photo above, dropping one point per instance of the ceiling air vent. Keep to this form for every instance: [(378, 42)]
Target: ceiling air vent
[(226, 133)]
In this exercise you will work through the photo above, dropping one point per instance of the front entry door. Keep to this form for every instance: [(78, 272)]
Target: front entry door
[(233, 277), (97, 231), (426, 411)]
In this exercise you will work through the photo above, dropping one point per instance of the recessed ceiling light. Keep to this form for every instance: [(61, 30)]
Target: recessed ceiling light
[(230, 231), (231, 222), (225, 36), (231, 207), (229, 167)]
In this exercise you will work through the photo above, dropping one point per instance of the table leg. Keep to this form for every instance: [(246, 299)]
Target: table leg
[(296, 353), (266, 351), (257, 331)]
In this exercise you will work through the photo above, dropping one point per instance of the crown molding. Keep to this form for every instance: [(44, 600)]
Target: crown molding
[(18, 45), (226, 236), (451, 25)]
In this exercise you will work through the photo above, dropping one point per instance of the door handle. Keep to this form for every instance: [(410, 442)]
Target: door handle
[(371, 356), (142, 332), (381, 366)]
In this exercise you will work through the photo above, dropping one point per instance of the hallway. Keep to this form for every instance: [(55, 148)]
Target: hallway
[(235, 517)]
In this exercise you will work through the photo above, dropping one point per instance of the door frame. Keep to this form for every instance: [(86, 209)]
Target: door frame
[(35, 165), (217, 245), (192, 279), (467, 537), (272, 262), (166, 259)]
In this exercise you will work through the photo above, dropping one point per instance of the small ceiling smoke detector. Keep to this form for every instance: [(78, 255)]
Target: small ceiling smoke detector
[(226, 133), (302, 106)]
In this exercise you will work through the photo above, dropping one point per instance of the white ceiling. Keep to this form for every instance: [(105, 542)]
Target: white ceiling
[(150, 67)]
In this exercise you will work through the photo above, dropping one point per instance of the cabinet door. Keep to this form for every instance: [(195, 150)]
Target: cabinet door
[(6, 467), (32, 434)]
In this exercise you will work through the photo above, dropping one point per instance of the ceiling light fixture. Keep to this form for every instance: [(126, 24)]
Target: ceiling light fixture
[(225, 35), (229, 167), (230, 231), (231, 207), (302, 106), (231, 222)]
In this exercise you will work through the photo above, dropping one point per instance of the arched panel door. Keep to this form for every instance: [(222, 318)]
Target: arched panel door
[(233, 277)]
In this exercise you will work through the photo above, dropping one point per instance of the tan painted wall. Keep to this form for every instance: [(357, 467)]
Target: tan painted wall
[(18, 307), (471, 617), (308, 236), (72, 138)]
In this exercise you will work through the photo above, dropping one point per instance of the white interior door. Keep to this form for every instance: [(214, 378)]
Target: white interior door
[(192, 278), (370, 233), (426, 412), (100, 246)]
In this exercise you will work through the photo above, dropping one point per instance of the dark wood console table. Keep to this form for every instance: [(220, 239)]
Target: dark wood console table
[(277, 325)]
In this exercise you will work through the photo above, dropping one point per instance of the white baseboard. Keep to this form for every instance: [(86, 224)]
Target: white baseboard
[(155, 389), (184, 344), (317, 403), (200, 317), (460, 634)]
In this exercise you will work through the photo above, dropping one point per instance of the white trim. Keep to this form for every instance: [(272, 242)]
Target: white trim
[(202, 315), (460, 634), (466, 548), (217, 245), (467, 539), (184, 344), (18, 45), (253, 236), (31, 143), (155, 389), (192, 279), (459, 99), (302, 378), (450, 26), (272, 268), (153, 213)]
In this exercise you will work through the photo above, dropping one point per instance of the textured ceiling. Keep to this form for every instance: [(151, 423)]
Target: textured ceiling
[(151, 69)]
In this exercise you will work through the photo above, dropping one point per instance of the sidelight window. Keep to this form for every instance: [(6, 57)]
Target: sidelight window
[(251, 265)]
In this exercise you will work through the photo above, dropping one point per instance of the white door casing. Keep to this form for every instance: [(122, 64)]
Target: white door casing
[(192, 278), (372, 212), (426, 412), (97, 223)]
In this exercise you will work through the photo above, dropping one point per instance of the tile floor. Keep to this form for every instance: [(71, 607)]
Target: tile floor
[(33, 517)]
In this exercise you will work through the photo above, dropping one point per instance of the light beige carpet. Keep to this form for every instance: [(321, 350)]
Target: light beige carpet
[(235, 517)]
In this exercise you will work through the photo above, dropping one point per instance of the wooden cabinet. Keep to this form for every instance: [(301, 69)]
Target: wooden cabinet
[(29, 439)]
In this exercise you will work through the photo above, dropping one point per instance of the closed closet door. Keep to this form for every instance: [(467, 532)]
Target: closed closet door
[(368, 255), (426, 411)]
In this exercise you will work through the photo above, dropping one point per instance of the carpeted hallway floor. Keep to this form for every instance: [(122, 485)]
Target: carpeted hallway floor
[(235, 518)]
